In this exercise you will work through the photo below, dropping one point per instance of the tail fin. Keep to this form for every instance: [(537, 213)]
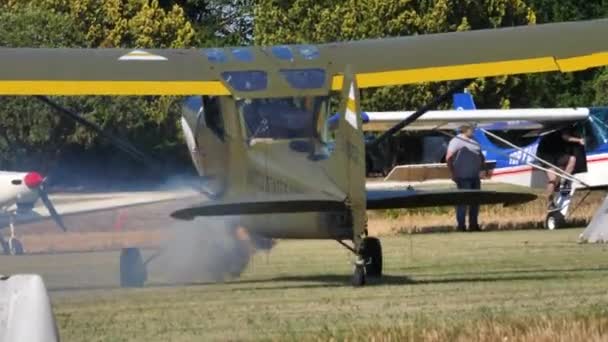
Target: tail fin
[(348, 159), (464, 101)]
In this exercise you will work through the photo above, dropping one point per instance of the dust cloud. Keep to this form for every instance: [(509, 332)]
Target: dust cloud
[(205, 250)]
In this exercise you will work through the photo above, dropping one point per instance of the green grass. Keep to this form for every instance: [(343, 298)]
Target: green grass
[(520, 285)]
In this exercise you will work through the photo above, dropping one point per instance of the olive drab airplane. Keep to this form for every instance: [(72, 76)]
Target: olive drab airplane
[(256, 121)]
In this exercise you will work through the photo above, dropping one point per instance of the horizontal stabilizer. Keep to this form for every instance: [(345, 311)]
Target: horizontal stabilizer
[(25, 310), (394, 199), (253, 206)]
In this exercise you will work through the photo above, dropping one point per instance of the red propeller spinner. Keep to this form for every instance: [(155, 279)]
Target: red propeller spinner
[(33, 180)]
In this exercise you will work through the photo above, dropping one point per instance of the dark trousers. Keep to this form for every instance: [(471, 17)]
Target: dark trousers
[(461, 210)]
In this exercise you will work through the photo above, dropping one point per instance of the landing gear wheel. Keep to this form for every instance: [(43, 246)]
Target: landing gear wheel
[(371, 251), (554, 220), (15, 246), (132, 268), (359, 276), (5, 247)]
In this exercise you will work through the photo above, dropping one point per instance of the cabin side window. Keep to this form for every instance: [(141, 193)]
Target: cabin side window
[(213, 116), (599, 124)]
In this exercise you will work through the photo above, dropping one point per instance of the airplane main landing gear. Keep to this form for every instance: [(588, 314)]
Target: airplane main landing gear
[(132, 268), (371, 250), (359, 274), (15, 246), (6, 249), (369, 261), (554, 220)]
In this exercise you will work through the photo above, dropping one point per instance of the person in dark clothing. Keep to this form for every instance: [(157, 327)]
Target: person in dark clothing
[(558, 148), (466, 161)]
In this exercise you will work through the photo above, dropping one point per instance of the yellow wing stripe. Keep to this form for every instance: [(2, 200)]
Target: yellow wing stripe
[(453, 72), (112, 88), (583, 62)]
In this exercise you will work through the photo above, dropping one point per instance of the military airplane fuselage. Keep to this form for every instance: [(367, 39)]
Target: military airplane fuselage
[(263, 148)]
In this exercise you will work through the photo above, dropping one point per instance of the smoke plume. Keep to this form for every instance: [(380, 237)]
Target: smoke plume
[(206, 250)]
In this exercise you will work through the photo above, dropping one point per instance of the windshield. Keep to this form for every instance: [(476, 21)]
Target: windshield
[(283, 118)]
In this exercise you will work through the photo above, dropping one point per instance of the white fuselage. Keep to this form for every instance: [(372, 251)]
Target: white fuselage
[(13, 190), (525, 175)]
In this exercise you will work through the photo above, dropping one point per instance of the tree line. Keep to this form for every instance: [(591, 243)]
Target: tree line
[(32, 136)]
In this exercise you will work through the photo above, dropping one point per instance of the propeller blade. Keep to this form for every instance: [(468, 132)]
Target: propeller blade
[(49, 206), (117, 142)]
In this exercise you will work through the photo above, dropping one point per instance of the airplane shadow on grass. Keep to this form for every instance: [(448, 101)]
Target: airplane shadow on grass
[(341, 280), (344, 280)]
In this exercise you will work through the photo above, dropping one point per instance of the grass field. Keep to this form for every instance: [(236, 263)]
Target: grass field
[(513, 285)]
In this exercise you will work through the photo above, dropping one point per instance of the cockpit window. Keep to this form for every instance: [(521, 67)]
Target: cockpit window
[(282, 118), (282, 52), (252, 80), (216, 55), (304, 78), (309, 52), (243, 54)]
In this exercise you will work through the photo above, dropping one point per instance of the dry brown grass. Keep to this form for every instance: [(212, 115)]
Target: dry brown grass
[(529, 215), (91, 241)]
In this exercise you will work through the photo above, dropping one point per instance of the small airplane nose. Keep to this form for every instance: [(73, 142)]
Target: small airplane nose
[(33, 180)]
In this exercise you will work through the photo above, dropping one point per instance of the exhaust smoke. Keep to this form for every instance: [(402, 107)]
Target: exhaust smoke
[(206, 250)]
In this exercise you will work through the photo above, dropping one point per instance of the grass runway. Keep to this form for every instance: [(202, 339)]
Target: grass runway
[(516, 285)]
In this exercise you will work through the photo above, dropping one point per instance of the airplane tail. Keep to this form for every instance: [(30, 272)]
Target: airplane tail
[(348, 159), (464, 101)]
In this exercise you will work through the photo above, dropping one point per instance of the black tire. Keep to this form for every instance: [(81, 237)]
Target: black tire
[(359, 276), (371, 251), (5, 247), (15, 246), (554, 220), (132, 268)]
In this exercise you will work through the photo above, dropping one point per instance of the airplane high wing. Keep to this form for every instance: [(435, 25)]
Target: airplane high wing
[(269, 71), (490, 119)]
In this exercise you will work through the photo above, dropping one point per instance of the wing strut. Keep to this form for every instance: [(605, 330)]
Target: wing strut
[(429, 106), (556, 170)]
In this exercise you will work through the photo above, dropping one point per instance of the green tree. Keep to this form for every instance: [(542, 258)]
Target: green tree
[(31, 130), (312, 21), (218, 22)]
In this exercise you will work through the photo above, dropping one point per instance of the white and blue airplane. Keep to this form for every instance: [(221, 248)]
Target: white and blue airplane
[(510, 140)]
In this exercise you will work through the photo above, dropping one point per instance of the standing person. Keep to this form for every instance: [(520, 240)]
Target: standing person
[(559, 148), (465, 161)]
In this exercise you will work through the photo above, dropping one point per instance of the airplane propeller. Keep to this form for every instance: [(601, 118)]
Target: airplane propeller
[(122, 144), (34, 180)]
